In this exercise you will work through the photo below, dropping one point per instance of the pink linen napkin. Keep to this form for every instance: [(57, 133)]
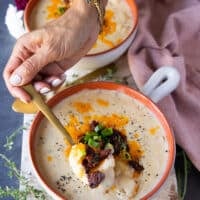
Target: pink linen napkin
[(169, 34)]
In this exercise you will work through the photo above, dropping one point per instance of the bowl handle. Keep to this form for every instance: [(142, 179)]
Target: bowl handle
[(162, 82)]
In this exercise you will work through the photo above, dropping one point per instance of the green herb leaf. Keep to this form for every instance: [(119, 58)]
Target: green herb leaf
[(98, 128), (87, 137), (107, 132), (10, 139), (27, 191), (61, 10), (93, 143), (97, 138)]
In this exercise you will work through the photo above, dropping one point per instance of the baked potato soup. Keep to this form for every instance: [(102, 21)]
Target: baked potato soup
[(120, 152), (118, 21)]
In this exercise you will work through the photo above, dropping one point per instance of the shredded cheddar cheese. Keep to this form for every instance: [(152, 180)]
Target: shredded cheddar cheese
[(56, 9), (82, 107), (109, 27), (135, 149), (154, 130), (102, 102), (67, 150), (76, 129), (49, 158)]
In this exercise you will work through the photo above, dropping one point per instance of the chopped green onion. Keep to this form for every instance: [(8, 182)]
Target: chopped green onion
[(107, 132), (91, 133), (93, 143), (98, 138), (87, 137), (61, 10), (98, 128)]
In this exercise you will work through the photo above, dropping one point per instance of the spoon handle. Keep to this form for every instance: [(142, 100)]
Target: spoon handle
[(44, 108)]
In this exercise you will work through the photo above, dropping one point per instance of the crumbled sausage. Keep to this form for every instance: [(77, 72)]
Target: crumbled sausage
[(135, 165), (94, 158), (95, 178)]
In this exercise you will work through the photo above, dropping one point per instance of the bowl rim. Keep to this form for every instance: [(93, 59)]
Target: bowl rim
[(131, 3), (108, 86)]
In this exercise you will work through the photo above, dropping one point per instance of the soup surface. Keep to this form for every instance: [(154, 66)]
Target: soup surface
[(146, 139), (118, 21)]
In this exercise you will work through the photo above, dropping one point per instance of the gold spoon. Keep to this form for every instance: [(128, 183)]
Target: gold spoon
[(44, 108), (30, 108)]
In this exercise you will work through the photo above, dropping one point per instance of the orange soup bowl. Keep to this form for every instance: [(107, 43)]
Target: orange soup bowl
[(48, 165), (117, 34)]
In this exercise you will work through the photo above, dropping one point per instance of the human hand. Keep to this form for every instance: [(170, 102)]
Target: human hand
[(43, 55)]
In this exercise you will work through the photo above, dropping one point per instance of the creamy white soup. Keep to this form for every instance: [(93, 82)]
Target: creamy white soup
[(145, 135), (118, 21)]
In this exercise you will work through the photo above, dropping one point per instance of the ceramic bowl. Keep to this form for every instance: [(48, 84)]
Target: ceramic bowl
[(105, 86), (93, 61)]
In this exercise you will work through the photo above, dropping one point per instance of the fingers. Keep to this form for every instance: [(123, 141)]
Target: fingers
[(23, 75), (53, 68), (23, 50), (19, 93), (29, 68), (15, 91), (55, 81), (42, 87)]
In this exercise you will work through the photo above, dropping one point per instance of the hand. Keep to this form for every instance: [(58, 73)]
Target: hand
[(43, 55)]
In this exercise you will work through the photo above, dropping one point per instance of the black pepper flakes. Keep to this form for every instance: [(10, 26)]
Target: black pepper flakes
[(62, 182)]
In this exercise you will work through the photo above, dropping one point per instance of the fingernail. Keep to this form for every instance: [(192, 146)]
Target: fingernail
[(15, 79), (56, 82), (44, 90)]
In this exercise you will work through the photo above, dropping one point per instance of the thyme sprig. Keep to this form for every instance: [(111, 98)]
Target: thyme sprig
[(16, 193), (10, 139), (28, 189), (110, 75)]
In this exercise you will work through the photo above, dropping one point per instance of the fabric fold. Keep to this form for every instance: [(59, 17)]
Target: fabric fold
[(169, 34)]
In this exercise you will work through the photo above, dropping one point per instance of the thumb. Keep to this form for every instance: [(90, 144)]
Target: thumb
[(29, 68)]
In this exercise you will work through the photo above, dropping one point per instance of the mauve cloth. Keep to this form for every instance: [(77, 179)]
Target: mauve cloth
[(169, 34)]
